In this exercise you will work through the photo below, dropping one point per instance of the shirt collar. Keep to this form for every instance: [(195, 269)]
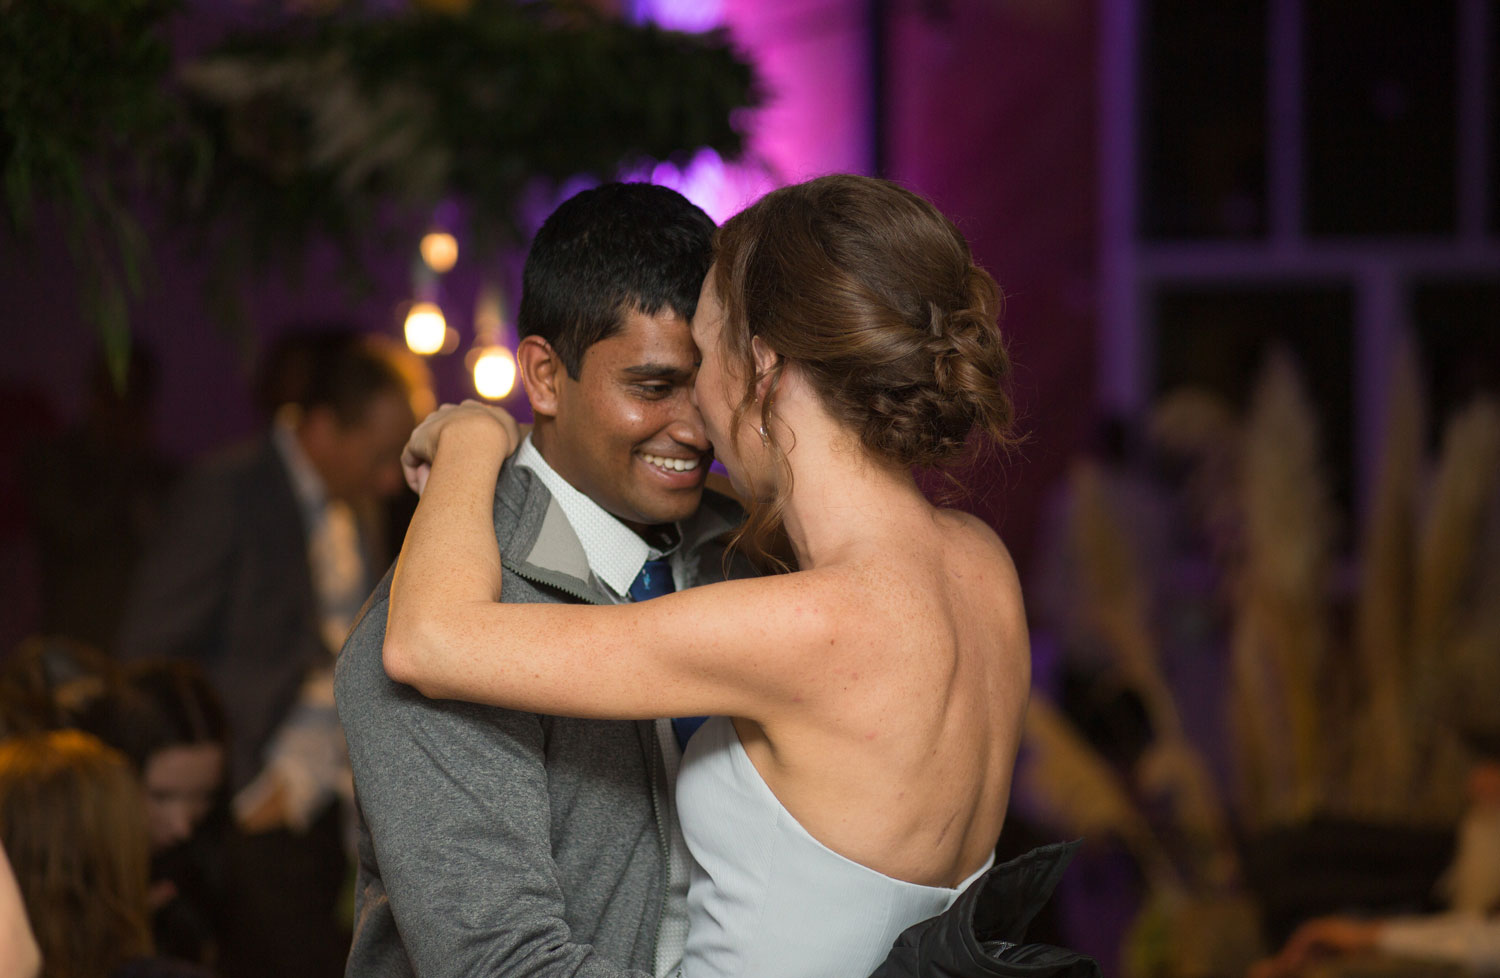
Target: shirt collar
[(307, 485), (615, 552)]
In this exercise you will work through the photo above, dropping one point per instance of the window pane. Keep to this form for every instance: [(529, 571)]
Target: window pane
[(1218, 338), (1203, 119), (1492, 161), (1380, 116), (1457, 326)]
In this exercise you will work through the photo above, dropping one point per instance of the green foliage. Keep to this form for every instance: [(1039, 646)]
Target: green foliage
[(336, 126), (84, 111), (80, 81), (322, 127)]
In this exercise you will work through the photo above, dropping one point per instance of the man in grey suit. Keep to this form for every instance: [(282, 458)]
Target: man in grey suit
[(258, 572), (494, 842)]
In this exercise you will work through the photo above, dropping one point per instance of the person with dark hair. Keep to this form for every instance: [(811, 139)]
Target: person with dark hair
[(259, 571), (577, 282), (166, 719), (46, 678), (866, 703), (505, 842), (73, 827)]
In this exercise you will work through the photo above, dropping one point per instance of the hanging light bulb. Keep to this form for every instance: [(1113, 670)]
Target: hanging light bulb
[(439, 250), (426, 329), (495, 373)]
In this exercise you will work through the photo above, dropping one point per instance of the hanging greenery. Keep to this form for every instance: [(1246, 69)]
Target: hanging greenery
[(320, 127), (338, 125), (84, 113)]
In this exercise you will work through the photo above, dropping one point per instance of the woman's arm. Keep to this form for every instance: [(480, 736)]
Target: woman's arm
[(743, 648)]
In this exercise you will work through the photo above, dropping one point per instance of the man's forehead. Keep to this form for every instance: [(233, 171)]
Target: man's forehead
[(656, 343)]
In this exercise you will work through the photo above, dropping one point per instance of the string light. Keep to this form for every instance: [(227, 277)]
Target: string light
[(426, 329), (495, 373), (439, 250)]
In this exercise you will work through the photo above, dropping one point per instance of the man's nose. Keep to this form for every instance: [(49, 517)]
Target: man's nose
[(687, 428)]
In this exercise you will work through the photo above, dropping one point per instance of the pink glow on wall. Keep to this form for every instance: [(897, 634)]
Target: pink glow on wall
[(810, 60)]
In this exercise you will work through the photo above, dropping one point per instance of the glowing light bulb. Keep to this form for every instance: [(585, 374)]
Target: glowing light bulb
[(495, 373), (426, 329), (439, 250)]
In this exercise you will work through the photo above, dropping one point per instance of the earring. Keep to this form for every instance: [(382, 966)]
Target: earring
[(765, 439)]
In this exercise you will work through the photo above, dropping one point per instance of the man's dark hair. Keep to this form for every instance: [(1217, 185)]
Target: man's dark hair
[(333, 367), (606, 252)]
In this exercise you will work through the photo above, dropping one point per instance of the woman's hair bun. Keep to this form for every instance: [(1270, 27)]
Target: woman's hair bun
[(929, 419), (875, 296)]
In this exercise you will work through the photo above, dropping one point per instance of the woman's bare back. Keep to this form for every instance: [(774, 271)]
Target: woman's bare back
[(901, 759)]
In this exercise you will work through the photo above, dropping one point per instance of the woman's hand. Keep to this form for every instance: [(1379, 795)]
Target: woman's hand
[(421, 447)]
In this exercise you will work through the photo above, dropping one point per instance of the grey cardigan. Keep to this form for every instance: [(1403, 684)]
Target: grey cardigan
[(493, 842)]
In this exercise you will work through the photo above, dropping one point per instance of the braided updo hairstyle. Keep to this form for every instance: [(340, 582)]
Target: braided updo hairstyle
[(875, 296)]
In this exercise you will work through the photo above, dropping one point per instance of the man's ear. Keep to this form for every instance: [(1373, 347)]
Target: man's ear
[(541, 371), (766, 361)]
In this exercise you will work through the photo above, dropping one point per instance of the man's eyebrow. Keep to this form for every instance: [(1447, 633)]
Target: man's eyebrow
[(663, 371)]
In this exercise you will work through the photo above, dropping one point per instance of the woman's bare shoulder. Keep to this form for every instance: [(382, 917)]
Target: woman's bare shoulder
[(968, 537)]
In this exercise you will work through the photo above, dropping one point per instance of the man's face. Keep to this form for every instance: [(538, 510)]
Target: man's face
[(626, 433), (363, 460)]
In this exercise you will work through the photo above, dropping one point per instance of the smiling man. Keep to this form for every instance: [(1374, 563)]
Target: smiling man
[(494, 842)]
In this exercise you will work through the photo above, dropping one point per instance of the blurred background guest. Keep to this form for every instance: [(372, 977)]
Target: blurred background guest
[(263, 562), (74, 827), (1467, 935), (166, 719), (46, 679)]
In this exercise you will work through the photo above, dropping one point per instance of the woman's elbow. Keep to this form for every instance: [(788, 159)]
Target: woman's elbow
[(402, 664)]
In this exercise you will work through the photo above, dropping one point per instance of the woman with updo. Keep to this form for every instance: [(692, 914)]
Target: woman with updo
[(867, 696)]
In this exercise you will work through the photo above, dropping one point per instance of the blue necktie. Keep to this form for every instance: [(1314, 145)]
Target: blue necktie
[(654, 580)]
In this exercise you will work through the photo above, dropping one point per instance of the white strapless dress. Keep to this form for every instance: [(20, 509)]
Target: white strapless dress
[(767, 900)]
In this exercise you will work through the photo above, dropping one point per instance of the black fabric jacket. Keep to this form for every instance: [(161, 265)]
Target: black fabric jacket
[(983, 934)]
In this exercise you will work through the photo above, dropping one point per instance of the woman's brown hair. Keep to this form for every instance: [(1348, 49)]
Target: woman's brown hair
[(73, 823), (874, 295)]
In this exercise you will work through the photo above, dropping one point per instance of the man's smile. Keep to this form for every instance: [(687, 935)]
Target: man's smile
[(672, 464)]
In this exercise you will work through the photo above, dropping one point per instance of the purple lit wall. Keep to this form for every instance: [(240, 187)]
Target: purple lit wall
[(991, 115), (811, 58)]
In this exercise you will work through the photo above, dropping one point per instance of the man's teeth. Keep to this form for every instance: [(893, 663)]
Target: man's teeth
[(675, 464)]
